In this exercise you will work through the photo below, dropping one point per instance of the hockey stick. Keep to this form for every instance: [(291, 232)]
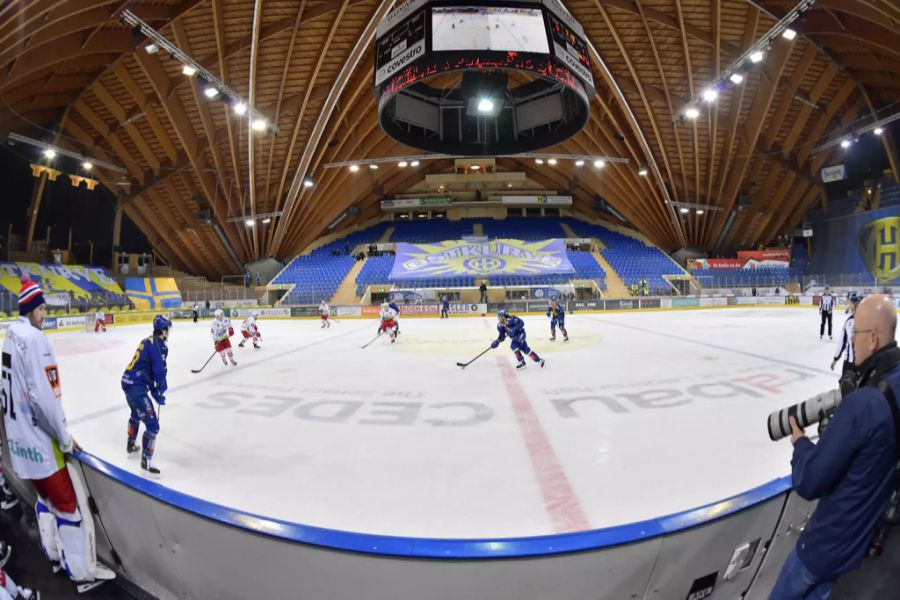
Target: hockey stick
[(373, 339), (204, 364), (464, 365)]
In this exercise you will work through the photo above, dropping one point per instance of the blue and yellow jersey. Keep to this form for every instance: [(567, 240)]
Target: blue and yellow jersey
[(557, 312), (148, 365), (514, 327)]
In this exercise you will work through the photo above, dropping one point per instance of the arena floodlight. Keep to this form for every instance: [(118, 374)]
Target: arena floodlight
[(699, 211), (250, 222), (756, 57), (551, 161), (258, 124), (684, 211), (308, 182), (354, 168), (878, 130), (373, 166), (151, 48), (475, 167), (49, 153), (211, 91), (579, 162), (240, 108), (402, 164), (710, 94), (267, 220), (845, 144), (643, 171), (736, 78), (87, 166), (485, 106), (539, 161), (188, 70), (414, 163), (789, 34), (692, 112), (599, 164)]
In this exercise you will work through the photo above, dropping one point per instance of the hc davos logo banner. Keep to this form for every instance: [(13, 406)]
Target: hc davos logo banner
[(460, 258), (879, 246)]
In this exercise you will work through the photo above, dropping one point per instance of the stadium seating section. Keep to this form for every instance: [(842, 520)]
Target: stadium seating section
[(319, 274), (730, 278), (66, 287)]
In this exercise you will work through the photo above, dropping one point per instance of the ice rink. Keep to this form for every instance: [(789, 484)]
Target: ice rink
[(640, 415)]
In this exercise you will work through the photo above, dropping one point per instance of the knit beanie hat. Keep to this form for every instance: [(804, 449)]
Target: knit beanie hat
[(30, 297)]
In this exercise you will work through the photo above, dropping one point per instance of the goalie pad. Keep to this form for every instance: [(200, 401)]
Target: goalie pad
[(46, 521)]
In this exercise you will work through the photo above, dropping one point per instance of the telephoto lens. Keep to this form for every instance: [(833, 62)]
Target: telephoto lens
[(807, 413)]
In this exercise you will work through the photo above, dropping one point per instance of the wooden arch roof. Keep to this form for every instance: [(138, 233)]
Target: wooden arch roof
[(72, 73)]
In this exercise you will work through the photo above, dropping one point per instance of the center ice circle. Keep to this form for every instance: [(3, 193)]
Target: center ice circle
[(639, 415)]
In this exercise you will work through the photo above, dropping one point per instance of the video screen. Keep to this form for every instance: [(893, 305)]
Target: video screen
[(499, 29)]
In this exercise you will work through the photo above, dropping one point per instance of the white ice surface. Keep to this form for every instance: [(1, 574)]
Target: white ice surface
[(384, 456)]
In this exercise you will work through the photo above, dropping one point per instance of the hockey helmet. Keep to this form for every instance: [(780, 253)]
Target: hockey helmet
[(160, 323), (254, 314), (219, 313), (502, 315), (854, 298)]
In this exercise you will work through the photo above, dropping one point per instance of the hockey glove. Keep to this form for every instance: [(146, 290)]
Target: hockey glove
[(230, 331), (161, 400), (494, 344)]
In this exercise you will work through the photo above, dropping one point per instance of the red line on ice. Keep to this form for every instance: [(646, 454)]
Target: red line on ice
[(560, 501)]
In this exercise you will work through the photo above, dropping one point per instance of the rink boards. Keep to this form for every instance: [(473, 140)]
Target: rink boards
[(640, 431)]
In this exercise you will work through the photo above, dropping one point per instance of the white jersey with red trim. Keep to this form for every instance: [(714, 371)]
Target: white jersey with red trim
[(388, 314), (220, 329), (324, 310), (99, 316), (36, 429), (249, 325)]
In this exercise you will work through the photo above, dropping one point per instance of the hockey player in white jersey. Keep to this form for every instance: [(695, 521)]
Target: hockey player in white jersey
[(221, 331), (388, 321), (325, 313), (250, 331), (99, 321), (38, 440)]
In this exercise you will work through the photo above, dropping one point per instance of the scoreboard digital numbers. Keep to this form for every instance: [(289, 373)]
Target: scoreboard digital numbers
[(401, 46), (571, 49)]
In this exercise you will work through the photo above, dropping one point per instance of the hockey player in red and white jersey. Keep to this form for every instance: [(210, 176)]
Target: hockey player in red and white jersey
[(388, 321), (250, 331), (221, 331), (325, 313), (99, 321)]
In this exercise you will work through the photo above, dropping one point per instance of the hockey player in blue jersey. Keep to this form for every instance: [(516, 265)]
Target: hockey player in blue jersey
[(557, 315), (145, 378), (513, 327)]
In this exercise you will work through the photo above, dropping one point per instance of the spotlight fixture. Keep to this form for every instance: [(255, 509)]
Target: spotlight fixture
[(151, 48), (579, 163), (211, 92), (188, 70), (354, 168), (485, 105), (789, 34), (736, 78), (710, 94), (87, 166), (509, 185), (240, 108), (599, 164), (402, 164), (539, 161), (249, 222), (878, 130), (373, 166), (692, 113), (267, 220), (699, 211), (684, 211), (643, 171), (845, 144), (756, 57), (551, 161), (258, 124), (49, 153), (414, 163), (308, 182), (474, 167)]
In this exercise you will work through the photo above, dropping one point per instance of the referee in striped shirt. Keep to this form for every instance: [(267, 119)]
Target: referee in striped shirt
[(825, 309), (845, 342)]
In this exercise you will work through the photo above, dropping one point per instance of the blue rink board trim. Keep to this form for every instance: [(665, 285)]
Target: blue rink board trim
[(439, 547)]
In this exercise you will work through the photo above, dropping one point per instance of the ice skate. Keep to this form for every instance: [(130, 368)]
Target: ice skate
[(520, 364), (566, 339), (131, 448), (553, 338), (7, 498), (541, 363), (148, 470), (28, 594), (233, 363), (256, 346), (241, 345), (224, 361)]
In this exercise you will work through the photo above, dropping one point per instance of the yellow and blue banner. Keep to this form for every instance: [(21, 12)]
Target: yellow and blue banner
[(149, 293), (459, 258)]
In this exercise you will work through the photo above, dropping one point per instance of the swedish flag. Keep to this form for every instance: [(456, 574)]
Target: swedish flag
[(150, 293)]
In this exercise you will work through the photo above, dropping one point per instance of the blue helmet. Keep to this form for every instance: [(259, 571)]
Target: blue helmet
[(160, 323), (854, 297), (502, 314)]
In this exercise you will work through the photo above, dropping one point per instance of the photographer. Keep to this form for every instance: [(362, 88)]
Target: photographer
[(851, 469)]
